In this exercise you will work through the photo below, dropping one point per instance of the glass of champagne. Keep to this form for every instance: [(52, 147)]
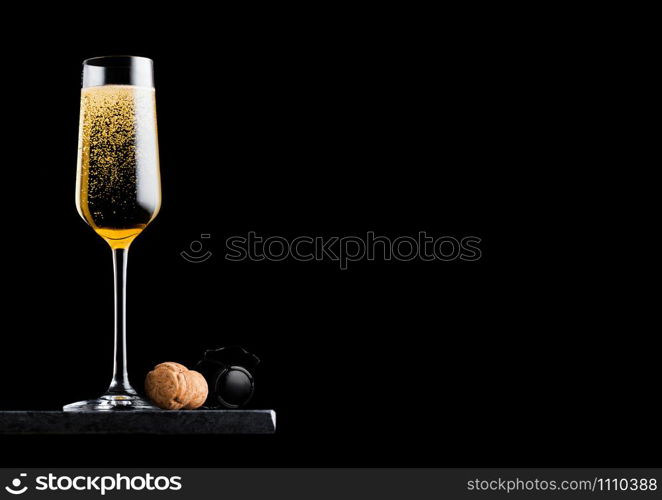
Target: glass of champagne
[(118, 186)]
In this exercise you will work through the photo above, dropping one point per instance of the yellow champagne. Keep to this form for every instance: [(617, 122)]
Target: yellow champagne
[(118, 187)]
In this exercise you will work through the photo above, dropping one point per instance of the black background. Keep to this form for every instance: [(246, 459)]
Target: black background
[(326, 123)]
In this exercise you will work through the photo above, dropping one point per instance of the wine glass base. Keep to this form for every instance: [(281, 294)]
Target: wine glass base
[(112, 403)]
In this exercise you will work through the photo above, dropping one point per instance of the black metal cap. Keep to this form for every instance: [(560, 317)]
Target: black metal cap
[(228, 371)]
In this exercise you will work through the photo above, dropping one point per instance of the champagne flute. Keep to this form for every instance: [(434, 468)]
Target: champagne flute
[(118, 186)]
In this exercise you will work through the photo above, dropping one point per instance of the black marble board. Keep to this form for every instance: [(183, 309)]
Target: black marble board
[(139, 422)]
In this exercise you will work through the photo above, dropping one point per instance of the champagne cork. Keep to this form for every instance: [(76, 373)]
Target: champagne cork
[(172, 386)]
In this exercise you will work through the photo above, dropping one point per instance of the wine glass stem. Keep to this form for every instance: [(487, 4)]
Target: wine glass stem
[(120, 383)]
